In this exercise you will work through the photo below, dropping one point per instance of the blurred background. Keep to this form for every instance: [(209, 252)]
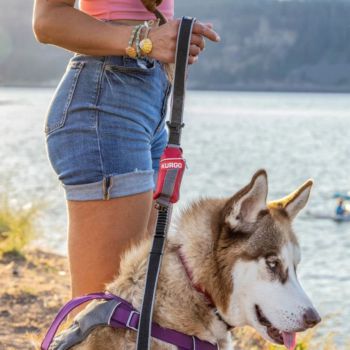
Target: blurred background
[(274, 94), (266, 45)]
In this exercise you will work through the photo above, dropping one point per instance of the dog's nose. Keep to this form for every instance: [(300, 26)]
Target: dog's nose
[(311, 318)]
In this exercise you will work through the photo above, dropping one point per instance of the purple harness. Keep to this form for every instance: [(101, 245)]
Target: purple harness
[(124, 316)]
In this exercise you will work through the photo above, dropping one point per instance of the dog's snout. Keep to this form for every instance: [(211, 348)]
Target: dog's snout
[(311, 318)]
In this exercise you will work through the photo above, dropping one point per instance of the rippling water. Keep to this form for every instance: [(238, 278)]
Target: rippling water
[(227, 137)]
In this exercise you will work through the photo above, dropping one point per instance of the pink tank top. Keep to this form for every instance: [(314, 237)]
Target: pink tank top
[(123, 9)]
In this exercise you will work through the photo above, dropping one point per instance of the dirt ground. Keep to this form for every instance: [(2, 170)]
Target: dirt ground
[(32, 289)]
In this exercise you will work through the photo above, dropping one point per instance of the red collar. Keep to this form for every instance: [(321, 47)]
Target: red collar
[(200, 289), (196, 286)]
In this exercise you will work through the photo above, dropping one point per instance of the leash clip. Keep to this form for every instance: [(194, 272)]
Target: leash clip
[(175, 126), (160, 207)]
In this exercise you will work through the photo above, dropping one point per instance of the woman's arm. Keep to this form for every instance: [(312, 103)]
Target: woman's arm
[(57, 22)]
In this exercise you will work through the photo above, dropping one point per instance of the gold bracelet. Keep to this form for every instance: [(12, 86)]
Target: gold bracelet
[(146, 44)]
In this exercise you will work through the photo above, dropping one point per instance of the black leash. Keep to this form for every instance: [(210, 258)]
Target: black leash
[(172, 166)]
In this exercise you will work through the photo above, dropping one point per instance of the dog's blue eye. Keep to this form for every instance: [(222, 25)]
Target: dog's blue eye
[(272, 264)]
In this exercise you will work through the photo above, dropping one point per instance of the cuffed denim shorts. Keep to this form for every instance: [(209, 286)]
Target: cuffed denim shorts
[(105, 127)]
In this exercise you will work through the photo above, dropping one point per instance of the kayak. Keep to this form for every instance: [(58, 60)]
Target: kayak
[(343, 195), (337, 218)]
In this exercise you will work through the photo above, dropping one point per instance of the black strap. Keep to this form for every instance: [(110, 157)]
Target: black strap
[(154, 264), (164, 209), (178, 97)]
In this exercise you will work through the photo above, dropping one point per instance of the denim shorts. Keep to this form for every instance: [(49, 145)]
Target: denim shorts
[(105, 127)]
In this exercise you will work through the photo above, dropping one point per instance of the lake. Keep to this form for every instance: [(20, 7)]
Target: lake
[(228, 136)]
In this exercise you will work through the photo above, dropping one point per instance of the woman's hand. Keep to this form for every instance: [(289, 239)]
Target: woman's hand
[(164, 40)]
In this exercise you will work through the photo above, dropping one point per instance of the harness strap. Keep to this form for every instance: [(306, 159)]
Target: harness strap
[(181, 340), (65, 310), (114, 312), (85, 322)]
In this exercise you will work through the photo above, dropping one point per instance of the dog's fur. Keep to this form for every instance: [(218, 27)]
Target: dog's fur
[(241, 250)]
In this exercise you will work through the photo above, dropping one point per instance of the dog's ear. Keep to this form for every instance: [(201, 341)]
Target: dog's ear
[(246, 205), (294, 202)]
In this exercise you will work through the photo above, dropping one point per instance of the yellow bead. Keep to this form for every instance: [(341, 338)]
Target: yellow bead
[(131, 52), (146, 46)]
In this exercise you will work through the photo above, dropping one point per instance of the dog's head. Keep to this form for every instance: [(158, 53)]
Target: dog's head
[(257, 254)]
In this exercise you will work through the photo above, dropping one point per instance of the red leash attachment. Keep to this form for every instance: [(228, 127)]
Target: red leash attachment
[(171, 169)]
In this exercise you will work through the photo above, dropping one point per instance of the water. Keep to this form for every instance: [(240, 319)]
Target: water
[(228, 136)]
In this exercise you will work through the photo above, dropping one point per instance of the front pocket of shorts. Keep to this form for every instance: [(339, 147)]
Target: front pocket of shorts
[(131, 65), (61, 101), (164, 107)]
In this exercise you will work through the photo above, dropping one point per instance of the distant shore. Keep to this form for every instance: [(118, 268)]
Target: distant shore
[(223, 88)]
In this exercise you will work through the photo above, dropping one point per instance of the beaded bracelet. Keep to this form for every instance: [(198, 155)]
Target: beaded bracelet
[(130, 50), (138, 33)]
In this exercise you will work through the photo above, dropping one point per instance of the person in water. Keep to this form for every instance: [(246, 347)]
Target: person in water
[(340, 209)]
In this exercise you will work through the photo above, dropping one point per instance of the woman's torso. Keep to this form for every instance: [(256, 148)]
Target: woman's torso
[(123, 9)]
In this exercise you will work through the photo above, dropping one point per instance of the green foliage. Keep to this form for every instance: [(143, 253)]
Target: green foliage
[(16, 227)]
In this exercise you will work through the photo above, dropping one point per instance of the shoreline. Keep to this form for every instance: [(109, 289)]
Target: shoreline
[(221, 88)]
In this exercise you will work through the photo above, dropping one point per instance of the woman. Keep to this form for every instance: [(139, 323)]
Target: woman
[(105, 125)]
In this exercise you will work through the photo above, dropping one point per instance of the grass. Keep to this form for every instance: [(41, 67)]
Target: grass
[(17, 227)]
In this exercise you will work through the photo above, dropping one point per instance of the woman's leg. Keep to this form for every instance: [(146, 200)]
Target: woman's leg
[(100, 232)]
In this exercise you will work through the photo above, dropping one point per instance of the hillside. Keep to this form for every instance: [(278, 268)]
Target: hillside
[(266, 45)]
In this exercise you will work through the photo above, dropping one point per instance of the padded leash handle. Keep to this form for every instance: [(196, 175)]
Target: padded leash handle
[(172, 166), (178, 96)]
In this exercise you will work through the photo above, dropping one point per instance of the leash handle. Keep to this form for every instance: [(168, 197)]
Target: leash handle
[(178, 96), (168, 183)]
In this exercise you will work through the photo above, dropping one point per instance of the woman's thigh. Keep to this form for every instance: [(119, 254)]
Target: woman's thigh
[(99, 233)]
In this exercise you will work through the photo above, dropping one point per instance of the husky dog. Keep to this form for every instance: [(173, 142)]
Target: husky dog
[(242, 252)]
